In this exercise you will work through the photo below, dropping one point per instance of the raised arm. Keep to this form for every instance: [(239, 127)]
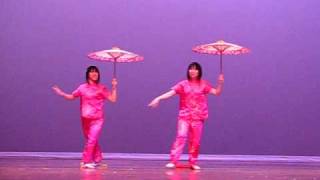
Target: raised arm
[(218, 90), (113, 96), (58, 91), (155, 102)]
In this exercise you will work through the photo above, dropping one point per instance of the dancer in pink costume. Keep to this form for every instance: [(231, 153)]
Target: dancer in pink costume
[(193, 112), (92, 96)]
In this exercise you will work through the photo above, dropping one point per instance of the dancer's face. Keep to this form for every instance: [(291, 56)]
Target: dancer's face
[(93, 76), (193, 73)]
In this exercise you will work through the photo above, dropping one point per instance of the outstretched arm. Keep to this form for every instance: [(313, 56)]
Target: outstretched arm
[(58, 91), (113, 96), (155, 102), (218, 90)]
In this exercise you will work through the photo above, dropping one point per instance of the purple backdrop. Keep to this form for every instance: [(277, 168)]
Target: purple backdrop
[(270, 103)]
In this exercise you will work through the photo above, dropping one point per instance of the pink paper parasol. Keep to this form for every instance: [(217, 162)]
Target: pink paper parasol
[(115, 55), (220, 48)]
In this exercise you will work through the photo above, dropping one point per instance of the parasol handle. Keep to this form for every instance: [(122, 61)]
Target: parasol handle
[(220, 63), (115, 67)]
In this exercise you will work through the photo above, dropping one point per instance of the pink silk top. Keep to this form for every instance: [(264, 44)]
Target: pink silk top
[(193, 99), (92, 97)]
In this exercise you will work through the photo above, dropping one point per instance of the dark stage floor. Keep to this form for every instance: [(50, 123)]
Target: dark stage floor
[(20, 168)]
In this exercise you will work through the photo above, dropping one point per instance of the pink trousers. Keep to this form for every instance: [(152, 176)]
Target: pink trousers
[(91, 130), (185, 129)]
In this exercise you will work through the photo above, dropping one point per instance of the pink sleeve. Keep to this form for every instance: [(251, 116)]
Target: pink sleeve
[(178, 88), (105, 92), (77, 92), (207, 87)]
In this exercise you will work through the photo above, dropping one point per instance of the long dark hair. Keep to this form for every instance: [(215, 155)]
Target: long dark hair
[(92, 69), (197, 66)]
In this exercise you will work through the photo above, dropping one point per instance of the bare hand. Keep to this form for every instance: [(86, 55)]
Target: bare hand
[(154, 103), (57, 90), (114, 82), (221, 78)]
